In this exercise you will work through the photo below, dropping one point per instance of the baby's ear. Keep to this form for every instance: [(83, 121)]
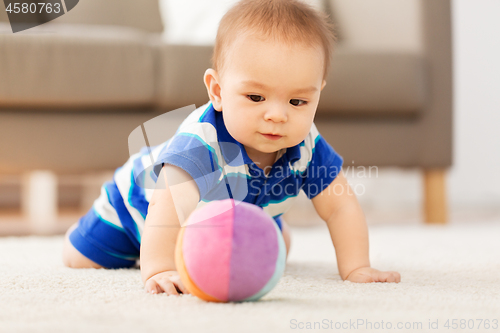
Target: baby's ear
[(211, 79), (323, 84)]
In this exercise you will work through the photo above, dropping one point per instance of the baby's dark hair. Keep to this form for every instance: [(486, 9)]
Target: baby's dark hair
[(288, 21)]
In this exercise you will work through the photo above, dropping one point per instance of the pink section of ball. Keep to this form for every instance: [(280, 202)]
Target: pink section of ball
[(255, 251), (208, 262)]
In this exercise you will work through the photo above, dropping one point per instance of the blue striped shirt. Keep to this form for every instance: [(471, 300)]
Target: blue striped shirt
[(221, 168)]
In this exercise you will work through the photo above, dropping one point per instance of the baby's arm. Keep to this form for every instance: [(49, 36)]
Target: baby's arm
[(167, 211), (349, 233)]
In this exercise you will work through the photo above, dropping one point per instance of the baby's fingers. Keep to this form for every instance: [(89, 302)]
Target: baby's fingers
[(390, 277), (151, 287), (156, 287), (168, 287), (397, 277), (178, 283)]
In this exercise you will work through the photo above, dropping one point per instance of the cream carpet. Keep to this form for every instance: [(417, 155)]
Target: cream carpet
[(447, 272)]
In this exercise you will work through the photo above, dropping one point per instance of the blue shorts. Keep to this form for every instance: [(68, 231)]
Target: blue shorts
[(111, 245)]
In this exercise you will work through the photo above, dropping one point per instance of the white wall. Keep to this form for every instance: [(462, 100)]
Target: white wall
[(475, 178)]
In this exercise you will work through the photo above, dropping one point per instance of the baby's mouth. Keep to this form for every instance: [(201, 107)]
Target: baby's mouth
[(271, 136)]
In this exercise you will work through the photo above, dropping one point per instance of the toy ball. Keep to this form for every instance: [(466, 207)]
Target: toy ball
[(230, 251)]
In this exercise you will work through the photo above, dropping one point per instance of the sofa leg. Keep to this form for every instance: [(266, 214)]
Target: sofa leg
[(435, 204), (39, 200)]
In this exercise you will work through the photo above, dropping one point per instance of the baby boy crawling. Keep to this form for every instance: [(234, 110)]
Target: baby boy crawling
[(270, 61)]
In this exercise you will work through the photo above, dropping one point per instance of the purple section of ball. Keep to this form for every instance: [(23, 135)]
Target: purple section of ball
[(254, 253)]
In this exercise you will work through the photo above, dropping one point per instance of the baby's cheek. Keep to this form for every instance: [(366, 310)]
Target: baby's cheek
[(298, 133)]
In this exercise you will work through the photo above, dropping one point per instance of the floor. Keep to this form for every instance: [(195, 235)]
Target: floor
[(449, 278), (12, 223)]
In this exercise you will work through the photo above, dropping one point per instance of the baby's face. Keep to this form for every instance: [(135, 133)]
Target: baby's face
[(269, 93)]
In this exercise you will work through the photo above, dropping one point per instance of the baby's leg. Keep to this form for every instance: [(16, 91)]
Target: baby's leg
[(99, 239), (72, 257)]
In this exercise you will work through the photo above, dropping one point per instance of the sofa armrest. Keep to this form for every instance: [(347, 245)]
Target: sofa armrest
[(437, 116)]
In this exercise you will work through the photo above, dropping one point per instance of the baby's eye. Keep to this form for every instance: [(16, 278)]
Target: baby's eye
[(255, 98), (297, 102)]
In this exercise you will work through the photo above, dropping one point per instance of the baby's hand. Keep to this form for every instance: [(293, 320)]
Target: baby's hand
[(168, 282), (368, 274)]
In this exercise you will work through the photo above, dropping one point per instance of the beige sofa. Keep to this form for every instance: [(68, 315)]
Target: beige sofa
[(72, 90)]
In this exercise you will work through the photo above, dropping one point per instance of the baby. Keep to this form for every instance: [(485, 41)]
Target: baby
[(270, 62)]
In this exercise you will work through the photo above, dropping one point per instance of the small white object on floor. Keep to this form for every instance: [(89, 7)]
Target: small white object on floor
[(39, 200)]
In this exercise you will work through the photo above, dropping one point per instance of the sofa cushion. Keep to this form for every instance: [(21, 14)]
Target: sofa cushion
[(374, 83), (359, 82), (393, 25), (66, 142), (180, 75), (56, 65)]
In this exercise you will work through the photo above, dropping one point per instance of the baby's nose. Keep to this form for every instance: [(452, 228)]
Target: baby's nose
[(277, 114)]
